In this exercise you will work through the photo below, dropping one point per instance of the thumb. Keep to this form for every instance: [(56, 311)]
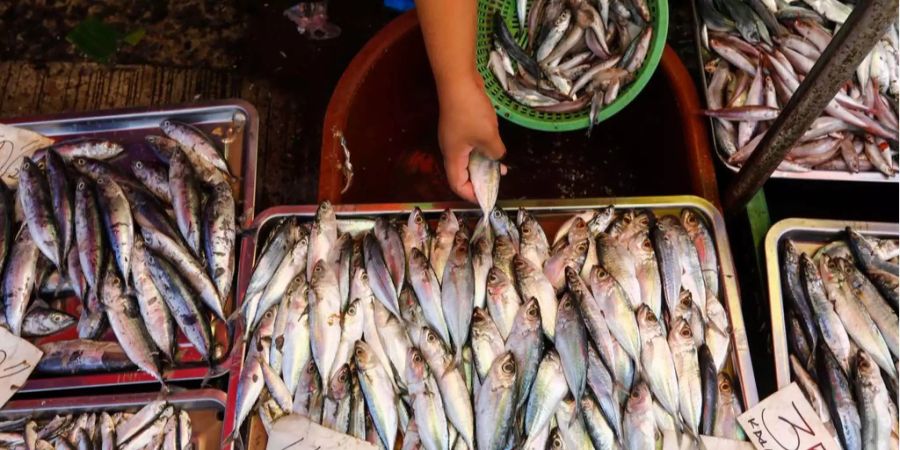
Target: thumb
[(493, 147)]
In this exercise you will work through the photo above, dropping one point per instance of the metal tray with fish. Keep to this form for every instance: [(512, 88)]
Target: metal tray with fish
[(205, 406), (705, 56), (808, 235), (234, 127), (550, 214)]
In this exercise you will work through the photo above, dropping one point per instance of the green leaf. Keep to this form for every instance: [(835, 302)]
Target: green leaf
[(95, 38), (134, 36)]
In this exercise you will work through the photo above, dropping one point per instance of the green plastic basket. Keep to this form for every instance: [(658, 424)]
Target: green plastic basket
[(538, 120)]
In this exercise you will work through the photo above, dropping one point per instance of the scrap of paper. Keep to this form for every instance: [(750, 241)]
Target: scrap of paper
[(14, 144), (18, 359), (785, 420), (296, 432)]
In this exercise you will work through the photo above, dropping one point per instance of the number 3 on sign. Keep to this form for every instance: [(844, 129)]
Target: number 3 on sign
[(786, 421), (17, 360)]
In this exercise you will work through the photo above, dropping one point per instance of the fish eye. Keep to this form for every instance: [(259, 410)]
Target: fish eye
[(863, 363), (80, 161), (647, 245), (26, 164), (686, 332), (430, 337), (343, 376), (582, 246), (417, 358), (724, 385), (496, 213), (492, 277), (81, 185), (651, 318), (318, 268), (359, 352), (138, 165), (509, 367), (635, 394), (533, 311), (352, 310)]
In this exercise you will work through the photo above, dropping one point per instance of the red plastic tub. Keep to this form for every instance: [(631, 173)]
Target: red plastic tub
[(386, 108)]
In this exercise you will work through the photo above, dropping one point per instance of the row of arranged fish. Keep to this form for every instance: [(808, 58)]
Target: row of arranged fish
[(492, 337), (158, 425), (108, 238), (763, 49), (578, 54), (842, 331)]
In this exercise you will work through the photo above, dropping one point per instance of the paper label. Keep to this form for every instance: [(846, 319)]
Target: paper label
[(14, 144), (786, 420), (296, 432), (715, 443), (18, 358)]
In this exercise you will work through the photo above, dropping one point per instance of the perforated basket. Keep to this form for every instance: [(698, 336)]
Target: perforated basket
[(526, 116)]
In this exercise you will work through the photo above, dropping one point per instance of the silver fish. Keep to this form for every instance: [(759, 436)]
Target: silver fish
[(294, 342), (88, 148), (878, 309), (41, 321), (458, 292), (62, 199), (442, 243), (692, 274), (19, 279), (647, 272), (638, 423), (526, 344), (687, 368), (830, 327), (482, 261), (485, 175), (417, 233), (352, 325), (336, 410), (293, 263), (602, 435), (322, 236), (619, 316), (549, 389), (194, 141), (427, 288), (727, 410), (185, 200), (487, 343), (219, 234), (503, 226), (154, 178), (873, 399), (380, 274), (392, 249), (503, 300), (393, 339), (276, 387), (657, 362), (123, 314), (153, 307), (324, 319), (495, 405), (533, 284), (811, 391), (412, 315), (609, 394), (571, 256), (36, 204), (452, 385), (427, 405), (379, 394), (572, 343), (533, 245), (617, 260)]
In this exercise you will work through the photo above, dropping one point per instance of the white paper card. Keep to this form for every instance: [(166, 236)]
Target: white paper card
[(14, 144), (715, 443), (296, 432), (18, 358), (785, 420)]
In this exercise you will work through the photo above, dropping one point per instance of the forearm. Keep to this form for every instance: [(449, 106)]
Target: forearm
[(448, 27)]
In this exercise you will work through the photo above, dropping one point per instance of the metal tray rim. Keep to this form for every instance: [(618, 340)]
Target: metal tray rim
[(18, 407), (743, 363), (773, 275), (820, 175)]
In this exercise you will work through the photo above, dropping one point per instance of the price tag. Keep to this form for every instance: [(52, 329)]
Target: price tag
[(296, 432), (785, 420), (715, 443), (17, 360), (14, 144)]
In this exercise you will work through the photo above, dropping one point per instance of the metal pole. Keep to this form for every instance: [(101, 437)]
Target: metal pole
[(856, 38)]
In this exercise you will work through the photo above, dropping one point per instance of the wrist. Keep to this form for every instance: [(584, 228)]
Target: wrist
[(459, 89)]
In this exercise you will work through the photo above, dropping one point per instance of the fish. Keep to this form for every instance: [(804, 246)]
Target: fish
[(379, 394), (657, 361), (572, 255), (829, 324), (526, 344), (154, 178), (550, 388), (619, 316), (219, 232), (40, 321), (442, 243), (250, 381), (324, 318), (793, 289), (503, 300), (428, 290), (866, 293), (62, 199), (36, 204), (608, 393), (162, 147), (19, 279), (78, 356), (839, 396), (727, 410), (322, 236), (336, 410), (706, 248), (186, 200), (151, 303), (392, 250), (872, 399), (504, 227), (687, 368), (533, 284), (487, 343), (571, 425), (393, 339), (495, 404), (293, 263), (647, 272), (294, 342), (503, 254), (101, 149), (638, 423), (417, 233), (882, 274), (618, 262), (571, 344), (598, 429), (451, 384), (458, 292), (427, 405), (484, 173), (193, 141), (508, 43), (123, 316), (276, 388), (811, 391), (533, 244), (482, 262)]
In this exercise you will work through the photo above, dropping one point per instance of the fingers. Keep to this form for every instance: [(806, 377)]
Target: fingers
[(492, 147), (456, 164), (503, 169)]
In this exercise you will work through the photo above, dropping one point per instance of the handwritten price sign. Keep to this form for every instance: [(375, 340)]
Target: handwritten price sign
[(786, 421), (17, 360), (296, 432), (14, 144)]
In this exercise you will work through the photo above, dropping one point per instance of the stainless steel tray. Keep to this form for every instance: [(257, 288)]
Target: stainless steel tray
[(551, 213), (129, 126), (825, 175), (809, 235), (205, 406)]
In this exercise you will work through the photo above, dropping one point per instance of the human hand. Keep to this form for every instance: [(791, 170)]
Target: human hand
[(467, 123)]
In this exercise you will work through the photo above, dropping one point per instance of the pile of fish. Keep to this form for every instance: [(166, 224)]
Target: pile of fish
[(842, 332), (491, 337), (158, 425), (763, 49), (109, 238), (576, 55)]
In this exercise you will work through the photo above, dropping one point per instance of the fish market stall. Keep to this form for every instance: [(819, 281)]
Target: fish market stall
[(97, 244), (833, 299), (398, 330), (755, 53)]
